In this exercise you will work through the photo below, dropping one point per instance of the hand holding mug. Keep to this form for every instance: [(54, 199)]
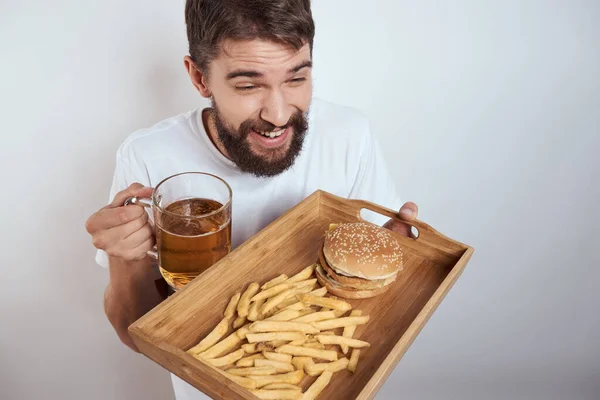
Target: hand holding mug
[(122, 231)]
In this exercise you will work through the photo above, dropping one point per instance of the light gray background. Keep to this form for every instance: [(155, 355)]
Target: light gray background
[(489, 114)]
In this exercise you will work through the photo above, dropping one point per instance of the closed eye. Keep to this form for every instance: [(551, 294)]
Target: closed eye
[(296, 81), (245, 88)]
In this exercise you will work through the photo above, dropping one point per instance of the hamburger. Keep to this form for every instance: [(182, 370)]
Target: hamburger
[(358, 260)]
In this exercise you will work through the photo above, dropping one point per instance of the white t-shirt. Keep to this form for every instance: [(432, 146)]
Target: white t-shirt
[(340, 155)]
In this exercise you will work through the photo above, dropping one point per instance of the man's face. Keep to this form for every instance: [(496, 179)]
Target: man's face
[(261, 92)]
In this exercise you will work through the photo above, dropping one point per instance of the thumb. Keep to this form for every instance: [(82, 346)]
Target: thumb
[(135, 189), (409, 211)]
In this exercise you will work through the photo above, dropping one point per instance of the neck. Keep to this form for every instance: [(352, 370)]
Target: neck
[(211, 130)]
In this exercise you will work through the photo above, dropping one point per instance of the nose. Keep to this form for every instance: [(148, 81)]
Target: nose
[(276, 109)]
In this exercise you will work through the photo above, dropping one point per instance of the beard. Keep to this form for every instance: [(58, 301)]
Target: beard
[(239, 150)]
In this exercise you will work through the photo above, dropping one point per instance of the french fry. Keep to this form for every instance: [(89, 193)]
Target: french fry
[(353, 360), (277, 280), (286, 303), (264, 346), (244, 303), (278, 394), (340, 322), (301, 291), (335, 366), (275, 300), (238, 322), (232, 306), (284, 315), (243, 331), (292, 322), (318, 292), (315, 316), (240, 380), (306, 311), (250, 348), (283, 326), (349, 330), (270, 292), (302, 275), (296, 306), (300, 362), (226, 360), (291, 377), (248, 361), (270, 345), (245, 371), (265, 337), (329, 355), (279, 366), (276, 343), (325, 302), (254, 313), (327, 308), (314, 345), (222, 347), (304, 283), (212, 338), (318, 385), (334, 339), (286, 358), (289, 386)]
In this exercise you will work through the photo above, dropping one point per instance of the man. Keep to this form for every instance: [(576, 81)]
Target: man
[(263, 134)]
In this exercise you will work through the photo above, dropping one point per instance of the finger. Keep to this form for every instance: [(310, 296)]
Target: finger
[(109, 239), (135, 189), (409, 211), (402, 228), (140, 252), (108, 218), (137, 238)]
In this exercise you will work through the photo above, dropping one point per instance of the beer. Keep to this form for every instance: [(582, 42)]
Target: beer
[(189, 241)]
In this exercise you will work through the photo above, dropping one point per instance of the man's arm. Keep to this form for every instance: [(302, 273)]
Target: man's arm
[(125, 235), (132, 291)]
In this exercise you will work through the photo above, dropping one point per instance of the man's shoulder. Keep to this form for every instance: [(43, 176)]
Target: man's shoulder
[(325, 111), (337, 121), (167, 130)]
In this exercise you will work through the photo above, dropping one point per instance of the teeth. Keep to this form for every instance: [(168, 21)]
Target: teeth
[(272, 134)]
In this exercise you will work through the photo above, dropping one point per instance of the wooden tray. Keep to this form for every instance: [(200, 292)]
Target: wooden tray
[(432, 264)]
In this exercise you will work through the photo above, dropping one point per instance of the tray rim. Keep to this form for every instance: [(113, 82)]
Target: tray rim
[(385, 368)]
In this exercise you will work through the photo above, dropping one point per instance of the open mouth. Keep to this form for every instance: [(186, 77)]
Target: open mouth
[(273, 138), (271, 134)]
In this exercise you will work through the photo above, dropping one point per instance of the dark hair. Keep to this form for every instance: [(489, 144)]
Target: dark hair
[(209, 22)]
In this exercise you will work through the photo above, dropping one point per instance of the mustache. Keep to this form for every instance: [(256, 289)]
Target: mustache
[(296, 120)]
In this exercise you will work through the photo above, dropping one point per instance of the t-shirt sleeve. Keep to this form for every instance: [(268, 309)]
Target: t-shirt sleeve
[(374, 181), (127, 171)]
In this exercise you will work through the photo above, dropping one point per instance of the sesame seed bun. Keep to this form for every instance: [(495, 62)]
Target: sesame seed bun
[(362, 250), (359, 260)]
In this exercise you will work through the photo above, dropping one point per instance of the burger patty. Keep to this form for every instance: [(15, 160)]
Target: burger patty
[(354, 282)]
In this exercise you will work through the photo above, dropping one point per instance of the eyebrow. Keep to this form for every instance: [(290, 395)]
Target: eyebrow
[(248, 73)]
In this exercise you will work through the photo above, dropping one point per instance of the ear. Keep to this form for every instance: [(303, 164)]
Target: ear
[(198, 78)]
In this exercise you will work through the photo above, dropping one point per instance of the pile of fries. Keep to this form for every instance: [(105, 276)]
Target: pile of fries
[(284, 331)]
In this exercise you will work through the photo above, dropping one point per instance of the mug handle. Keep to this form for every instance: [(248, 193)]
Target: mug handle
[(146, 204)]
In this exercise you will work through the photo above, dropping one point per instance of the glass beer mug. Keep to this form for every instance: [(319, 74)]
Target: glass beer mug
[(192, 219)]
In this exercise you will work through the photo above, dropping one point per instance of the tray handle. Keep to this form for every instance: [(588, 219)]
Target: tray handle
[(422, 228)]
